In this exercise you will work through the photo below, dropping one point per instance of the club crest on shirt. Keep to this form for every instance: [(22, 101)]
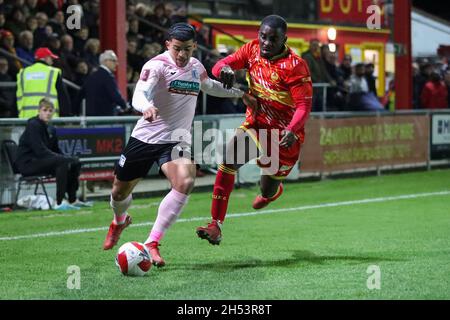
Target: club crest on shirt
[(144, 75), (195, 74), (275, 77)]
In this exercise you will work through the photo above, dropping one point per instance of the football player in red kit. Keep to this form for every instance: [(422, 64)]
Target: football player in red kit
[(281, 81)]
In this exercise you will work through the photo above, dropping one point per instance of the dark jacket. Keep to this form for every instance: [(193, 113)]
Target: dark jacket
[(38, 141), (101, 93)]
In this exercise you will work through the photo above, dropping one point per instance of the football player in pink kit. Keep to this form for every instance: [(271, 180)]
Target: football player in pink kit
[(166, 94)]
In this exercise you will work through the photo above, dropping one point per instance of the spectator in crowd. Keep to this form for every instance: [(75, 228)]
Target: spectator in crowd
[(426, 68), (32, 24), (38, 153), (91, 53), (318, 71), (370, 78), (2, 20), (58, 23), (8, 108), (447, 83), (346, 67), (49, 7), (435, 93), (7, 43), (159, 18), (79, 40), (43, 31), (100, 89), (30, 8), (133, 31), (16, 24), (68, 58), (42, 80), (361, 99), (79, 77), (25, 48)]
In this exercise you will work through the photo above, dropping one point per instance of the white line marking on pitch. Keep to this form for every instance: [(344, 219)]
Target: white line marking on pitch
[(237, 215)]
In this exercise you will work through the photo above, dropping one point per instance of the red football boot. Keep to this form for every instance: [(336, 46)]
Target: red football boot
[(157, 260), (114, 233), (261, 202), (212, 232)]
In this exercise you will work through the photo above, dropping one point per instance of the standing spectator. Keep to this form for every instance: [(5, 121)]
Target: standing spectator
[(68, 57), (447, 82), (8, 108), (79, 78), (38, 81), (100, 89), (346, 67), (419, 82), (435, 93), (25, 48), (79, 40), (370, 78), (42, 31), (7, 43), (91, 53), (318, 71)]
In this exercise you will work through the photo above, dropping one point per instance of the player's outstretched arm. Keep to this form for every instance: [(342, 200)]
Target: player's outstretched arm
[(215, 88)]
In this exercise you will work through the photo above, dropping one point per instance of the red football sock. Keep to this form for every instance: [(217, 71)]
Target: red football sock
[(222, 189)]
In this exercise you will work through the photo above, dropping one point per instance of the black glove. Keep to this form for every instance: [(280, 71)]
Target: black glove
[(227, 77)]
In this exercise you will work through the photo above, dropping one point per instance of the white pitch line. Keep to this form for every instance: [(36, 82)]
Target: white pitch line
[(237, 215)]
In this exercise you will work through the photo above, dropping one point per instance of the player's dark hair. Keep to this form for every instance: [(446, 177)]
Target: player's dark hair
[(181, 31), (274, 21)]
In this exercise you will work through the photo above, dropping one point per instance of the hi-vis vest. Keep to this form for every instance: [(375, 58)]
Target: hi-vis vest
[(34, 83)]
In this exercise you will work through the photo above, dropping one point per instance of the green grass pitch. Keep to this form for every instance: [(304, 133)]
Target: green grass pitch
[(315, 244)]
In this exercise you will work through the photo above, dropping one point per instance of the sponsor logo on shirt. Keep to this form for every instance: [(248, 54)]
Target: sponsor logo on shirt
[(184, 87), (122, 160)]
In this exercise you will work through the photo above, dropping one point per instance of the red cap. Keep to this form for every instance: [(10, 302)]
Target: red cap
[(42, 53), (6, 33)]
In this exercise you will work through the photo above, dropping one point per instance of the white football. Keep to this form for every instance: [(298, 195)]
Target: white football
[(133, 259)]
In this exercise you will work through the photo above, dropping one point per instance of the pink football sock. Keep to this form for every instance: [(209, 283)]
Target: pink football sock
[(168, 212), (120, 209)]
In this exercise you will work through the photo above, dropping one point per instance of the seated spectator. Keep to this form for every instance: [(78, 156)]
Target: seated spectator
[(100, 89), (435, 93), (25, 48), (39, 154), (8, 107), (360, 97)]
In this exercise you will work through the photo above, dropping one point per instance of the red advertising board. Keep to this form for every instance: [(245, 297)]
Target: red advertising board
[(348, 11)]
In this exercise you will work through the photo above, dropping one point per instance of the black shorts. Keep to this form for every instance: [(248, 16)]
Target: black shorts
[(138, 158)]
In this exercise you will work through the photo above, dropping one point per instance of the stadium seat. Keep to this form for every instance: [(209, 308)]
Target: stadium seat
[(9, 148)]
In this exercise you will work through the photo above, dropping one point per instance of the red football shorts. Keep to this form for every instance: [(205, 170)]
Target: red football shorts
[(275, 161)]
